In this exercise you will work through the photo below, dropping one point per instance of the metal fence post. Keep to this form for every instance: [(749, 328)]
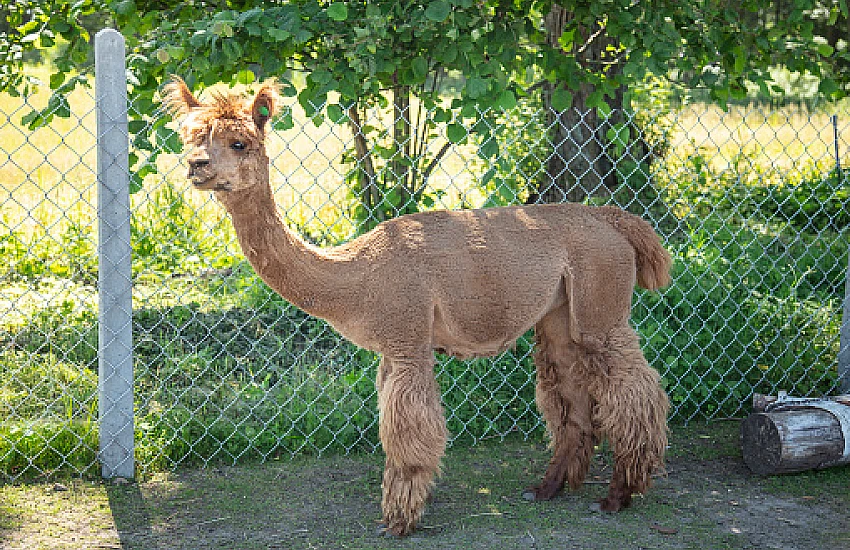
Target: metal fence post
[(115, 337), (844, 339)]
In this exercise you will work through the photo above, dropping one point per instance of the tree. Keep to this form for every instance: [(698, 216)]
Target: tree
[(396, 54), (392, 55), (605, 46)]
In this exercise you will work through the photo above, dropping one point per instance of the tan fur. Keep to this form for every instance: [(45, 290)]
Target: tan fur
[(468, 283)]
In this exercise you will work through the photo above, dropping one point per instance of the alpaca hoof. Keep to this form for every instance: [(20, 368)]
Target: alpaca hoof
[(396, 532), (541, 492), (610, 505), (383, 531)]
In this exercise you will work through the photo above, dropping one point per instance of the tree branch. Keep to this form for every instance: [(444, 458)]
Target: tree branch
[(370, 195), (431, 166)]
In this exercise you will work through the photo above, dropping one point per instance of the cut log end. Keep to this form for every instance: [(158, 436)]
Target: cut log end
[(762, 444), (791, 441)]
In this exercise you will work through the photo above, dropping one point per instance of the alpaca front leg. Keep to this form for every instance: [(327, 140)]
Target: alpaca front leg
[(413, 434)]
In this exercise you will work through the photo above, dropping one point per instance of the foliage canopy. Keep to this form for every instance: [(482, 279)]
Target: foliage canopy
[(383, 53)]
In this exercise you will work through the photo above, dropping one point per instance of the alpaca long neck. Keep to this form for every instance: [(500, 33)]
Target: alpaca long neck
[(294, 269)]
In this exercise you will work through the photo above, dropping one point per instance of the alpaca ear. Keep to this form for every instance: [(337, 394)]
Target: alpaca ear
[(265, 104), (177, 98)]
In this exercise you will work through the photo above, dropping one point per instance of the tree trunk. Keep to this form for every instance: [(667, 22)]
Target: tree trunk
[(580, 165), (761, 402), (370, 195), (400, 174)]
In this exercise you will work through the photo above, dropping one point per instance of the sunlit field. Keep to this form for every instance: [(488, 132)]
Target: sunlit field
[(783, 138)]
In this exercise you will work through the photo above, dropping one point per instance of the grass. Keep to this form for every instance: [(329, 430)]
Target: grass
[(226, 371), (707, 500), (785, 136)]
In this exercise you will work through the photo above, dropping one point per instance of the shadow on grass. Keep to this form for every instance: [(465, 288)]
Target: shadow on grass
[(8, 523), (280, 505), (708, 499), (132, 516)]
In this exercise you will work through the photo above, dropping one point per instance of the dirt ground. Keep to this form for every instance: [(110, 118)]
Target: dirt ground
[(708, 500)]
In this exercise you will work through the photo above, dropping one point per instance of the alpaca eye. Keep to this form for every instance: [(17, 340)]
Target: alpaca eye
[(237, 146)]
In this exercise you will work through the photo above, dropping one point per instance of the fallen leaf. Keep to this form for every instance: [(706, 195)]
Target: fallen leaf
[(664, 530)]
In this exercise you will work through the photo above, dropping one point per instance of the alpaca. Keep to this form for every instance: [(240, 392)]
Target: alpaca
[(466, 283)]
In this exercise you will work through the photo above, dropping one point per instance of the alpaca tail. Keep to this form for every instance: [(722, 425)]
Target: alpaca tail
[(652, 259)]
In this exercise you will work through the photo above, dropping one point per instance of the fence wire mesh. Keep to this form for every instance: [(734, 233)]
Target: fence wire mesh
[(751, 202)]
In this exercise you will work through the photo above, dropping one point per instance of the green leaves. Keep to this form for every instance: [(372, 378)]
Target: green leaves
[(438, 11), (284, 122), (481, 53), (456, 133), (507, 100), (278, 35), (338, 11), (619, 135), (125, 7), (245, 77), (420, 68), (476, 87), (561, 99), (825, 49), (336, 113)]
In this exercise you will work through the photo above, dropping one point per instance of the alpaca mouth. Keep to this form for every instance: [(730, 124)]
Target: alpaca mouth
[(209, 184)]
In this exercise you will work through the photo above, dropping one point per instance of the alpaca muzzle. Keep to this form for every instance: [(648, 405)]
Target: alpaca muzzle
[(199, 176)]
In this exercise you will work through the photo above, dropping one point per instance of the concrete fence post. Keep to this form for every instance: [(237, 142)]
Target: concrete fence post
[(115, 336), (844, 343), (844, 338)]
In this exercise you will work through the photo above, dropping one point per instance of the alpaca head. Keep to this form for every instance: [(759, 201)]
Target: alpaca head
[(225, 136)]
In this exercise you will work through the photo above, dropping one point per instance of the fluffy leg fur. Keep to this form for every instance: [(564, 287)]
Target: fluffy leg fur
[(566, 406), (631, 412), (413, 433)]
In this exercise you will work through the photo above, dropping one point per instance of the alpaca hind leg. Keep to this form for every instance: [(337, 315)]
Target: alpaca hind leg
[(413, 434), (566, 406), (631, 412), (567, 411)]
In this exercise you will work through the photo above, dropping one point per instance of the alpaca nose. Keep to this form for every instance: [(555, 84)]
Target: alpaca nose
[(196, 163)]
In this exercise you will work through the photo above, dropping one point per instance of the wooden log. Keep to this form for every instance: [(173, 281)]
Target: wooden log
[(761, 401), (794, 438)]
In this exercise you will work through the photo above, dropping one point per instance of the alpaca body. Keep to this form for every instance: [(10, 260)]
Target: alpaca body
[(467, 283)]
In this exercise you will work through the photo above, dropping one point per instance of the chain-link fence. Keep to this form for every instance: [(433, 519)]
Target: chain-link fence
[(752, 203)]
